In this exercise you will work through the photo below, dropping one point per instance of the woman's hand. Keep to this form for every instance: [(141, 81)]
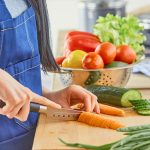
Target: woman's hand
[(17, 98), (73, 95)]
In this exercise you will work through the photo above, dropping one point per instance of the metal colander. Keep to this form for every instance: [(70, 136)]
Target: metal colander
[(110, 77)]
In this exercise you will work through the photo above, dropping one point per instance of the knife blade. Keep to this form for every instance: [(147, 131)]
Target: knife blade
[(62, 114)]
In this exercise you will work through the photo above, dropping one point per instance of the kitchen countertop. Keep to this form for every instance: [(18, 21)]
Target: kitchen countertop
[(48, 131)]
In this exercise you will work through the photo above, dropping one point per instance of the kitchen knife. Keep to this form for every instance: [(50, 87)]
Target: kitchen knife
[(62, 114), (54, 113)]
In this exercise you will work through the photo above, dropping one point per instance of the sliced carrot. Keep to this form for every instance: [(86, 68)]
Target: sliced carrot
[(99, 121), (109, 110)]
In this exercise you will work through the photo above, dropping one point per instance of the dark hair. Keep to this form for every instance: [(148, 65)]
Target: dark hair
[(44, 39)]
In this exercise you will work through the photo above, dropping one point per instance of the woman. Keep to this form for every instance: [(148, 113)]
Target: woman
[(20, 80)]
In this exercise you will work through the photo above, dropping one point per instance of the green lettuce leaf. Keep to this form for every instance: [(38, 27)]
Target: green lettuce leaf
[(121, 30)]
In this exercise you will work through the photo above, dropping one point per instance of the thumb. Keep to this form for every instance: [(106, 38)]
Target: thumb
[(44, 101)]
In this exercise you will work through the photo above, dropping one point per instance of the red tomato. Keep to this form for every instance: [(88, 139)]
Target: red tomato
[(92, 61), (125, 54), (107, 51), (59, 60)]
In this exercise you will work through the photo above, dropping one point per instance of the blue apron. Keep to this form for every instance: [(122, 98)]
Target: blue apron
[(19, 56)]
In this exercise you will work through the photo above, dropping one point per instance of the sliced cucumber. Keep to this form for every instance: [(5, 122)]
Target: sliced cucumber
[(140, 102), (129, 95), (141, 106), (114, 95), (145, 112)]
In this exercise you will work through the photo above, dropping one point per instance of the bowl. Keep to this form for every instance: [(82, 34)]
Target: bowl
[(117, 77)]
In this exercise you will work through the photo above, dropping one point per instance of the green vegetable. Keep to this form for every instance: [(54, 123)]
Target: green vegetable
[(121, 30), (141, 106), (138, 140), (144, 112), (136, 132), (115, 64), (134, 128), (104, 147), (128, 139), (93, 77), (114, 95), (141, 145), (140, 102)]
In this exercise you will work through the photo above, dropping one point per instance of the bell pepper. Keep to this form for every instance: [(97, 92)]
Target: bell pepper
[(83, 42), (59, 60), (75, 32), (74, 60)]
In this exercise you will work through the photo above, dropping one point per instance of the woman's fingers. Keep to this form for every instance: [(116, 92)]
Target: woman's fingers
[(87, 102), (6, 109), (15, 111), (41, 100), (24, 112), (90, 100), (44, 101), (97, 108)]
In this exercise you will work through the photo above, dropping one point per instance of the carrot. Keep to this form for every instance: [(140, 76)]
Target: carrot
[(109, 110), (106, 109), (99, 121)]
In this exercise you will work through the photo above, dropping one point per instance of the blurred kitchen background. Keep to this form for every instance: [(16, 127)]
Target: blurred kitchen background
[(81, 15)]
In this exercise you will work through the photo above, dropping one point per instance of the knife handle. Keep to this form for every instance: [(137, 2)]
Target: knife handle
[(34, 107)]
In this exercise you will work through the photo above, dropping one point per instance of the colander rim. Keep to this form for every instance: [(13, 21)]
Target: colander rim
[(130, 66)]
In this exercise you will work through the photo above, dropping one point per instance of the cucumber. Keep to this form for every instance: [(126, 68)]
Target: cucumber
[(116, 64), (142, 106), (140, 102), (145, 112), (93, 77), (114, 95)]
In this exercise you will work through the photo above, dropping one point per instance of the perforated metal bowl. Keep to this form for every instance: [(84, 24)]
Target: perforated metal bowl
[(110, 77), (117, 77)]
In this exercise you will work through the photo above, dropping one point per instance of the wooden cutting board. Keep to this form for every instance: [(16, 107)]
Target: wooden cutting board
[(49, 131)]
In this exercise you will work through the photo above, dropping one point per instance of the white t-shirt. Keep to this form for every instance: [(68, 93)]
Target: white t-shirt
[(16, 7)]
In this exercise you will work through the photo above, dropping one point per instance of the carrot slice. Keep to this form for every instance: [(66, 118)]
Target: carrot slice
[(99, 121), (109, 110)]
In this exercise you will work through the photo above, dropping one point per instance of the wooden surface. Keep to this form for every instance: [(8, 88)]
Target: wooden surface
[(138, 81), (49, 131)]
